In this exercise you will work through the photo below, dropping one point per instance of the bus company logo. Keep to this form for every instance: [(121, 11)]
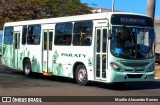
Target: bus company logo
[(6, 99), (140, 69), (135, 70)]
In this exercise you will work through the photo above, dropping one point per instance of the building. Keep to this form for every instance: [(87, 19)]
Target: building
[(157, 31)]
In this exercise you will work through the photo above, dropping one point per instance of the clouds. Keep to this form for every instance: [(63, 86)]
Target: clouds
[(157, 17)]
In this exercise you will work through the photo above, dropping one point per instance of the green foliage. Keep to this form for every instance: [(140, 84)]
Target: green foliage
[(16, 10)]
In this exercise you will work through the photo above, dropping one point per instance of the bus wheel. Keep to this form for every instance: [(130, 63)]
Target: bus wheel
[(27, 68), (81, 75)]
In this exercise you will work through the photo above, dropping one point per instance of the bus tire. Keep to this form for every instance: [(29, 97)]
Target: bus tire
[(27, 68), (81, 75)]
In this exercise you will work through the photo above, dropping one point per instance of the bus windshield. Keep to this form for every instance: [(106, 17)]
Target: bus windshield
[(132, 42)]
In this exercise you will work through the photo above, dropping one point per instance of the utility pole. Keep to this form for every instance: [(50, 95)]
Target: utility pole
[(112, 5), (151, 8)]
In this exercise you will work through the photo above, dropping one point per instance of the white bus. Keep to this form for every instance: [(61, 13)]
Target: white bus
[(106, 47)]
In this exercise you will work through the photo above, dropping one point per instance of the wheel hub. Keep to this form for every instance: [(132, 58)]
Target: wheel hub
[(82, 74), (27, 68)]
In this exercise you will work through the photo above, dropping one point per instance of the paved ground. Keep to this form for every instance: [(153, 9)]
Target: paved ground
[(13, 83)]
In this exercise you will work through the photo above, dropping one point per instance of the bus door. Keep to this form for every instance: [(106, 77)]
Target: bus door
[(47, 50), (16, 48), (101, 53)]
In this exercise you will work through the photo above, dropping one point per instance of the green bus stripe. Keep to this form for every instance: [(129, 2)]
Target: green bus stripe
[(4, 49)]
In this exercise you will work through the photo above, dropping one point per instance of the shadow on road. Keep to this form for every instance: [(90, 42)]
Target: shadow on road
[(10, 78), (128, 85)]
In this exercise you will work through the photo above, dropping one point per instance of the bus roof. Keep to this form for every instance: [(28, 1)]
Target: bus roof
[(94, 16)]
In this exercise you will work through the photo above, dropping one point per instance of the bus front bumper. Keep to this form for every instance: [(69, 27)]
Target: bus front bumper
[(114, 76)]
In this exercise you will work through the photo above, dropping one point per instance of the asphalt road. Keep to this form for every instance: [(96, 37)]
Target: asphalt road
[(13, 83)]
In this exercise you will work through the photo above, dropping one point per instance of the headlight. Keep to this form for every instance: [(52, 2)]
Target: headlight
[(115, 66), (151, 68)]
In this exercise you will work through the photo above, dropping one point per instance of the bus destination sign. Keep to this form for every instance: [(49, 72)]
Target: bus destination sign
[(133, 20)]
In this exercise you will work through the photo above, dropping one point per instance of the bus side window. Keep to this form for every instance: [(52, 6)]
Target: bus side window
[(50, 40), (24, 34), (8, 35), (82, 33), (34, 34), (104, 40), (63, 33)]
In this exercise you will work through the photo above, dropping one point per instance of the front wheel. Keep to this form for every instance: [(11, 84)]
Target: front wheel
[(81, 75), (27, 68)]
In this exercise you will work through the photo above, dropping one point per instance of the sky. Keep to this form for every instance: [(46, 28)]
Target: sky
[(136, 6)]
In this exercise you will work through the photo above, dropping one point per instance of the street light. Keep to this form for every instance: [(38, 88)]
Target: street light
[(151, 5)]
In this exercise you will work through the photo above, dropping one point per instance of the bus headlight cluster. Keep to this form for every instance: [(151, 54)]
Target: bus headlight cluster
[(151, 68), (115, 66)]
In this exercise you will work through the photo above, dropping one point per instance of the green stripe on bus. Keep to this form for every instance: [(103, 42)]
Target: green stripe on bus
[(4, 49)]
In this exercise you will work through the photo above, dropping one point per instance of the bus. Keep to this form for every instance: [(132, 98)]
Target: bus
[(111, 47)]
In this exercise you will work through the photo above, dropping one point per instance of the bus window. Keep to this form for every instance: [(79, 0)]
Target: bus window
[(45, 40), (135, 43), (63, 34), (34, 34), (98, 40), (82, 33), (50, 40), (24, 33), (8, 35), (104, 40)]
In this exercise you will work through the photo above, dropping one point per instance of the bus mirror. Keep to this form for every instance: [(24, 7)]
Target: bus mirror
[(109, 34)]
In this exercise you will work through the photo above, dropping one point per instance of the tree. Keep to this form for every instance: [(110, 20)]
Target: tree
[(67, 7), (16, 10)]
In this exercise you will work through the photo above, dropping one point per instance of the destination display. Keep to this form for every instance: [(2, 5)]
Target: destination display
[(132, 20)]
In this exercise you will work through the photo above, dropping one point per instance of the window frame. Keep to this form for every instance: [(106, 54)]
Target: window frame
[(91, 33), (34, 37), (69, 41), (6, 37), (24, 35)]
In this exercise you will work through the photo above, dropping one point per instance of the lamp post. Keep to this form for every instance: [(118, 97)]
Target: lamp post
[(151, 8)]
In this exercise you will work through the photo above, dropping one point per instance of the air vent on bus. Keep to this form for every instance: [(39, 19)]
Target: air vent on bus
[(135, 64), (134, 75), (129, 70)]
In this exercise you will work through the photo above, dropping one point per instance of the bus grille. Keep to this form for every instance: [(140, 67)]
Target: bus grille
[(129, 70), (134, 70), (135, 64), (134, 75)]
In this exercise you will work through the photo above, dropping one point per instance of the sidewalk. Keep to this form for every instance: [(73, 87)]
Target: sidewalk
[(157, 78), (157, 75)]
